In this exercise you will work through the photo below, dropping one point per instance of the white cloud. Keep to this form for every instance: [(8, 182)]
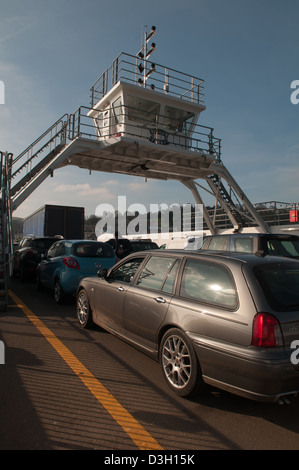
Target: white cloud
[(137, 186), (85, 190)]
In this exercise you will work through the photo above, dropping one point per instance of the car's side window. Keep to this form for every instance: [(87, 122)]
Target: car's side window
[(208, 282), (205, 244), (291, 247), (60, 250), (244, 244), (127, 271), (219, 243), (52, 251), (169, 283), (155, 271)]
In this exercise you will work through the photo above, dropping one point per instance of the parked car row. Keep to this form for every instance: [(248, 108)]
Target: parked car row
[(59, 264), (228, 319)]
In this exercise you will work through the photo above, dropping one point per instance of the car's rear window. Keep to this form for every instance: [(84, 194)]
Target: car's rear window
[(209, 283), (93, 250), (140, 246), (281, 247), (43, 243), (280, 284), (243, 244), (216, 244)]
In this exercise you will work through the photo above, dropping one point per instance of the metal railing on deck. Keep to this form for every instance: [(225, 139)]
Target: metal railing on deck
[(193, 137), (148, 74)]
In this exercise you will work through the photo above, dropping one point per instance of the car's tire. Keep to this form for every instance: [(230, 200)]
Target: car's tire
[(83, 310), (23, 275), (59, 295), (179, 364), (38, 283)]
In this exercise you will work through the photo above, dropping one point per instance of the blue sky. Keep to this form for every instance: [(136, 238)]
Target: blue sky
[(246, 51)]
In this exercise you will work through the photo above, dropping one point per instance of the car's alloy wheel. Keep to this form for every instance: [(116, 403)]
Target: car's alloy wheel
[(83, 310), (179, 363)]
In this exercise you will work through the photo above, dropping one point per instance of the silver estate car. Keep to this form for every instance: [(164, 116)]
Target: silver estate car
[(228, 320)]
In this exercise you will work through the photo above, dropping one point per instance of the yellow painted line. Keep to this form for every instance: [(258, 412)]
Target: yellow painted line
[(130, 425)]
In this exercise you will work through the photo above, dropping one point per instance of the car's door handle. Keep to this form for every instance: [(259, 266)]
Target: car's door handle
[(160, 300), (120, 288)]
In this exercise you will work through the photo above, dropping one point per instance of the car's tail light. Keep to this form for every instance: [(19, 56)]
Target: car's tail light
[(266, 331), (31, 251), (71, 262)]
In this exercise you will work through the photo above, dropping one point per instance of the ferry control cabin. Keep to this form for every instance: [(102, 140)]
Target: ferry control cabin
[(150, 102)]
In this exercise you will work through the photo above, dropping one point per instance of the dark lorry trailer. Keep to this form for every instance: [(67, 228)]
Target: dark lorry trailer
[(51, 220)]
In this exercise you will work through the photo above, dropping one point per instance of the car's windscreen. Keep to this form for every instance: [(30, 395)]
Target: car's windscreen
[(93, 250), (280, 283), (288, 248)]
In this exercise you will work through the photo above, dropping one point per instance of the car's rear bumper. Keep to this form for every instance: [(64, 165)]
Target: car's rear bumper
[(259, 374)]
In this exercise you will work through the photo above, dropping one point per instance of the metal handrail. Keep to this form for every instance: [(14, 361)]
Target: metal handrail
[(60, 120), (202, 138), (131, 69), (32, 152)]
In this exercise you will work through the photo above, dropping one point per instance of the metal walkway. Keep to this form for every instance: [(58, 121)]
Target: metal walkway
[(72, 140)]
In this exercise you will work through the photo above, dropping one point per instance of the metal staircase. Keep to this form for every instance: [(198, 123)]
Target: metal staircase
[(33, 161), (6, 242), (226, 197), (232, 200)]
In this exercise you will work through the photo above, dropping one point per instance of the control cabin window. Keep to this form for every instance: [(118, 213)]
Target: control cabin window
[(143, 111), (177, 120), (117, 111), (99, 123)]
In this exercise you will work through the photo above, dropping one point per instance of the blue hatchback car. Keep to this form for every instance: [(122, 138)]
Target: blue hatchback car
[(68, 261)]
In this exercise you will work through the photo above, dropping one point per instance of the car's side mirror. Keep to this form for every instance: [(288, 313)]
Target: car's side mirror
[(102, 273)]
